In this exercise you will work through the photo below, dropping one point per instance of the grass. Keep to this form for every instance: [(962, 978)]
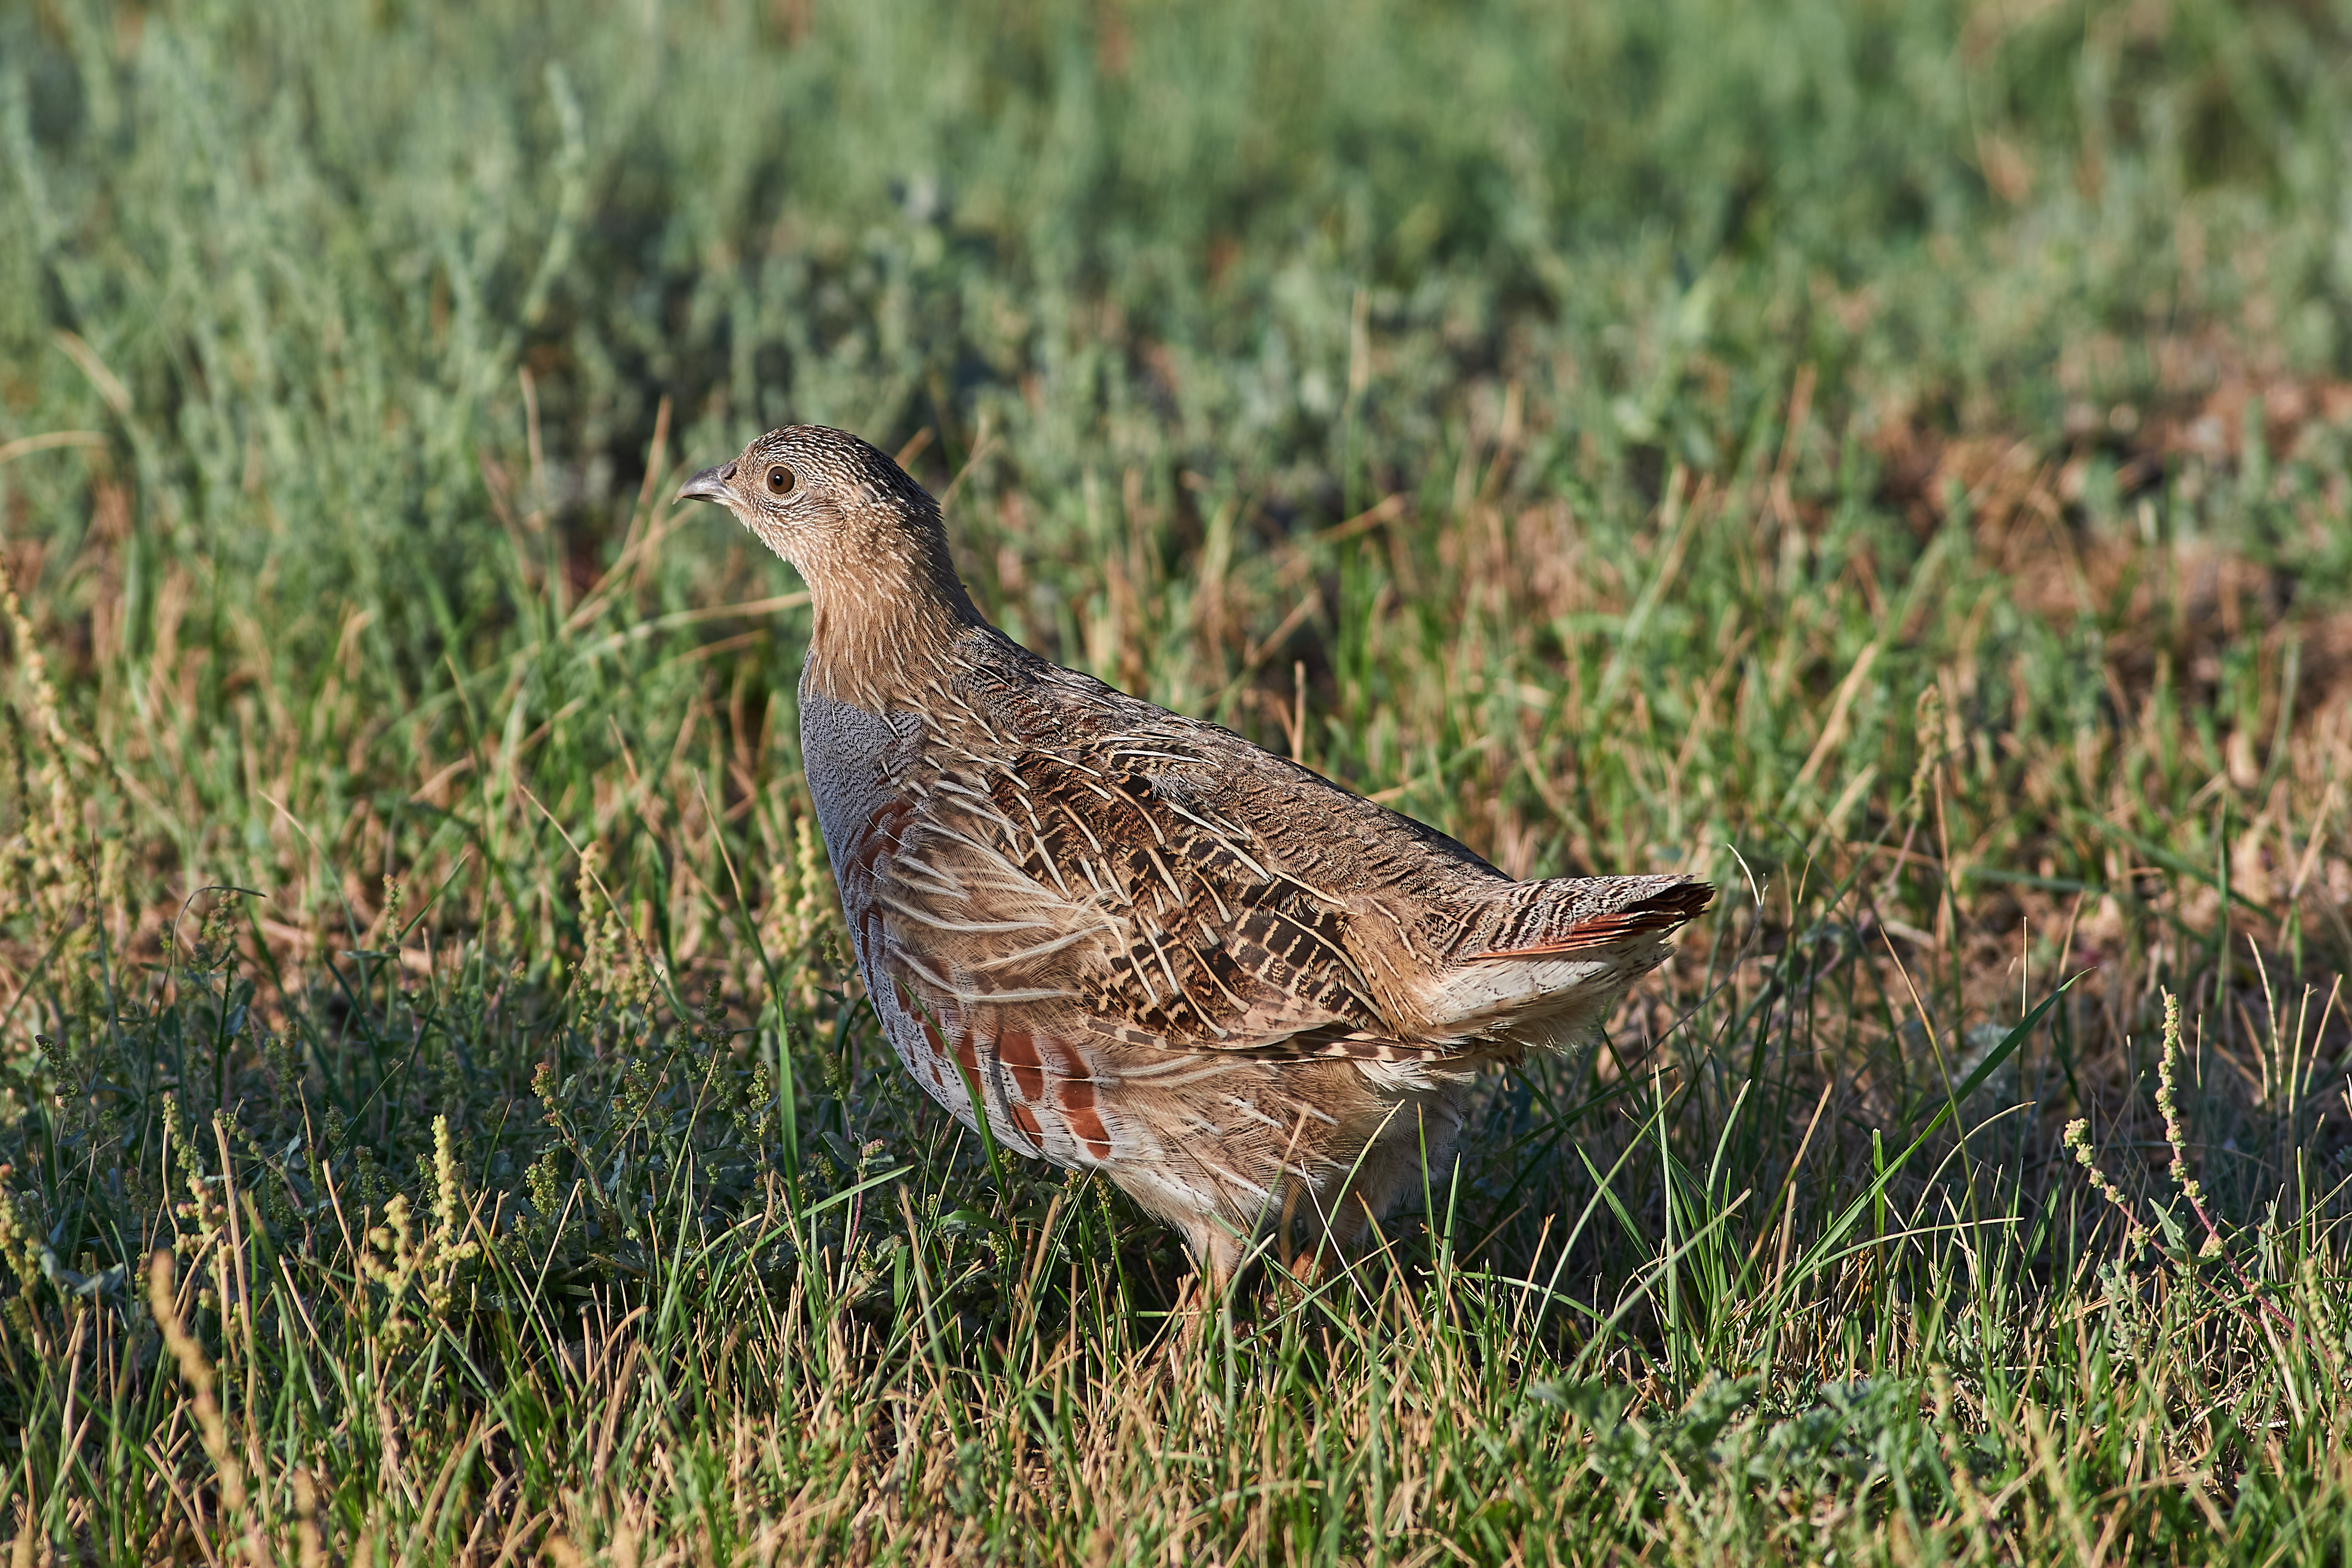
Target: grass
[(1889, 459)]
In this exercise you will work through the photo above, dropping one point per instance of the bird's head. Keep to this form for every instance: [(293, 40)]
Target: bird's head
[(822, 498), (867, 538)]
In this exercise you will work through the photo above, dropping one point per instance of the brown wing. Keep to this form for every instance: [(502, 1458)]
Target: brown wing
[(1083, 891)]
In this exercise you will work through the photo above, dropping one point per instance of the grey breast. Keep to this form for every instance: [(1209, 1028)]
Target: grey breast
[(846, 750)]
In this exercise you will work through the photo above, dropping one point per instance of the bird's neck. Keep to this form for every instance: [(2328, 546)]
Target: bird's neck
[(888, 618)]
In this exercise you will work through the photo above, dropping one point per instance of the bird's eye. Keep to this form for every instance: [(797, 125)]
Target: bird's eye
[(782, 481)]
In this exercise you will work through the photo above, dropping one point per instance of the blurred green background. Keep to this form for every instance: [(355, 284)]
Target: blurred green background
[(366, 217)]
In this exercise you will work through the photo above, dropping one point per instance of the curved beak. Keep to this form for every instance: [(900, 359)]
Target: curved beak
[(710, 485)]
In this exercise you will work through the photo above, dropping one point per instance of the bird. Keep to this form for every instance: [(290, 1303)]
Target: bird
[(1131, 942)]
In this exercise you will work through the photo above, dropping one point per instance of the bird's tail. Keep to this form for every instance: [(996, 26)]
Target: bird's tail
[(1541, 963)]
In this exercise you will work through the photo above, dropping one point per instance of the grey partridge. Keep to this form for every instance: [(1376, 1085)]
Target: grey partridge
[(1252, 999)]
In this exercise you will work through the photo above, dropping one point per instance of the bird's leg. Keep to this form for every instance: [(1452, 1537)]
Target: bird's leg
[(1293, 1187), (1197, 1302), (1333, 1247), (1290, 1194), (1204, 1296)]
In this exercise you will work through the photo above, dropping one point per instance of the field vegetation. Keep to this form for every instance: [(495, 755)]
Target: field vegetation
[(1889, 458)]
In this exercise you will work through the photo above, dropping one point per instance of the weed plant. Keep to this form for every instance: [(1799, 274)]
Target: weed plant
[(1887, 459)]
